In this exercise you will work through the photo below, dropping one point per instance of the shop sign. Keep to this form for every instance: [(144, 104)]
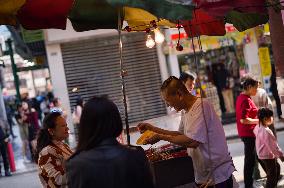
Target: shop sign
[(264, 60), (30, 36)]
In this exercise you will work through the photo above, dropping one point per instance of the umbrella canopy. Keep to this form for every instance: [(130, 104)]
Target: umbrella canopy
[(8, 11), (203, 17)]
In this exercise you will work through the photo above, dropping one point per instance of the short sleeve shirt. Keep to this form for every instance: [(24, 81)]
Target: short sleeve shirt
[(245, 108), (195, 123)]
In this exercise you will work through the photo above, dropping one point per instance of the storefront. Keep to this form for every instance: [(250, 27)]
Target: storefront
[(218, 60)]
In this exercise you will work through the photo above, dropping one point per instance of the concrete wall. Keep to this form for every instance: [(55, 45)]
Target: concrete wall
[(55, 36), (58, 79)]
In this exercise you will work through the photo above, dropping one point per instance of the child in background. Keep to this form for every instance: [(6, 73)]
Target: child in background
[(267, 148)]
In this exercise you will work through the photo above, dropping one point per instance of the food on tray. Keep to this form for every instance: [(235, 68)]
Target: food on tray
[(147, 134)]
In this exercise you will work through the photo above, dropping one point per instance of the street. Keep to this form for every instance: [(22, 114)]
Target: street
[(31, 180)]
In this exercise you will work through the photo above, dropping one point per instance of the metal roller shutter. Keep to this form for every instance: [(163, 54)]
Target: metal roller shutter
[(93, 67)]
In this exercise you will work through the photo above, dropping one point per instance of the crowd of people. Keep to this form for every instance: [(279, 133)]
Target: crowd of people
[(28, 116)]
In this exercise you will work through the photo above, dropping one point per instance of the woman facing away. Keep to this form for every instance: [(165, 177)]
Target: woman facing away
[(100, 160), (52, 153)]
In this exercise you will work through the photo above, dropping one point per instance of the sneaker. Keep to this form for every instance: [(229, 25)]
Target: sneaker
[(7, 174)]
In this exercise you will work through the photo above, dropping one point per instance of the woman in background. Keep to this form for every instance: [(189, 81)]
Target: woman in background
[(51, 152)]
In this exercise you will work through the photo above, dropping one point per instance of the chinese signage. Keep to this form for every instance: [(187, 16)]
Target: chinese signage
[(264, 60)]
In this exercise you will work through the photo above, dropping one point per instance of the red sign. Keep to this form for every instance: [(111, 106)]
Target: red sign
[(175, 36), (230, 28)]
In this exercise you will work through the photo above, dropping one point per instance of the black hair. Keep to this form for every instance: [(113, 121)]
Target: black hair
[(184, 77), (79, 101), (100, 120), (248, 82), (264, 113), (172, 85), (44, 138)]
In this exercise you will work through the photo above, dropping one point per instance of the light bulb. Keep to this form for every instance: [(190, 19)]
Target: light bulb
[(159, 37), (150, 43)]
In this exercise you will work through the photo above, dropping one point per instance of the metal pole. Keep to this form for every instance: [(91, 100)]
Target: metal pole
[(122, 75), (14, 68)]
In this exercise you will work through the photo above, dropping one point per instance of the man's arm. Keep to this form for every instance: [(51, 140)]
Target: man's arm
[(142, 127), (166, 132), (181, 140)]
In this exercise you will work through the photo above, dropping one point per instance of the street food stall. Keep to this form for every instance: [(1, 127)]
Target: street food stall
[(171, 165)]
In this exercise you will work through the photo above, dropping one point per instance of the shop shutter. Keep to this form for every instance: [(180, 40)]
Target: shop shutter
[(93, 67)]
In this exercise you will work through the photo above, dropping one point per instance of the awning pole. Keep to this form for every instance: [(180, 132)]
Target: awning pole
[(123, 74)]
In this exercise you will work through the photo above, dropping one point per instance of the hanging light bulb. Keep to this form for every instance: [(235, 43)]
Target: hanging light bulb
[(159, 37), (150, 43)]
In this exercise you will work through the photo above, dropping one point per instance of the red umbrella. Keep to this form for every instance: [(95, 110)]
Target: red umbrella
[(44, 14), (223, 7), (204, 24)]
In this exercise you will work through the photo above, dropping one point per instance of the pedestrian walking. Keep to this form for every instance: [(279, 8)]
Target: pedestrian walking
[(246, 115), (3, 149), (31, 119), (51, 152), (23, 131), (274, 90), (267, 148)]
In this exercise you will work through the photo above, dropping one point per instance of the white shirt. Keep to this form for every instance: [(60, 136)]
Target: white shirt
[(261, 99), (195, 128), (266, 144)]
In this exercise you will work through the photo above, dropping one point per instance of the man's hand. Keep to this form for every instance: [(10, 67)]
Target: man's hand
[(142, 127), (153, 139)]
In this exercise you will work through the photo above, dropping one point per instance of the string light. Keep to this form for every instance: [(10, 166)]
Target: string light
[(150, 43), (179, 47), (159, 37)]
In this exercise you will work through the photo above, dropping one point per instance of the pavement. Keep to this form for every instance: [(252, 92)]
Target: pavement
[(170, 122)]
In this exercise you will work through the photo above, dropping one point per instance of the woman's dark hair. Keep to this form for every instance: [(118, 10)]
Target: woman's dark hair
[(100, 120), (79, 101), (248, 82), (264, 113), (44, 138), (184, 77)]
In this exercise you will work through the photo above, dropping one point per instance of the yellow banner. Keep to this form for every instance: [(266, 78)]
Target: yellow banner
[(264, 60)]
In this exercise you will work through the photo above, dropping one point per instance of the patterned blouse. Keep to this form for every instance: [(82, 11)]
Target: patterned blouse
[(51, 164)]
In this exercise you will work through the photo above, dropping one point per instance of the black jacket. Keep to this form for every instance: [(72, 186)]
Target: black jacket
[(109, 165)]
